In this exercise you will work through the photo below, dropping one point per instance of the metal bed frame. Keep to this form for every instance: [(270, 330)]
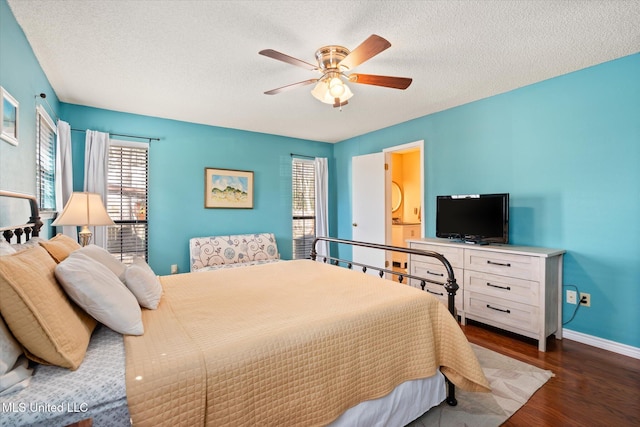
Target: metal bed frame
[(31, 228), (451, 286)]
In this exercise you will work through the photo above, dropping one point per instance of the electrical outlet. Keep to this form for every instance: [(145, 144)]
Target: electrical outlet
[(572, 297), (174, 268), (585, 299)]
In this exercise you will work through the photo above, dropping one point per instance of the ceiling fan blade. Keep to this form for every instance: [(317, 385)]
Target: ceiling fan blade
[(367, 50), (291, 86), (386, 81), (288, 59)]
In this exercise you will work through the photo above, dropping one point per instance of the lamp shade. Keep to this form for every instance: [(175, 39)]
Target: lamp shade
[(84, 209)]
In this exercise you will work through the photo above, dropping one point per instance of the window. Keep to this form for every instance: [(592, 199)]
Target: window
[(45, 160), (304, 207), (127, 192)]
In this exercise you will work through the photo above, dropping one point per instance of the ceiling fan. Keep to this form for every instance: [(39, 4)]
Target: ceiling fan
[(333, 64)]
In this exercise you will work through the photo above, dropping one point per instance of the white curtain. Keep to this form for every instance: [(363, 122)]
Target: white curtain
[(64, 174), (322, 202), (96, 153)]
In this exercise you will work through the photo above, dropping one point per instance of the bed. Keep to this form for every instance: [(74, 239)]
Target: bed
[(291, 343)]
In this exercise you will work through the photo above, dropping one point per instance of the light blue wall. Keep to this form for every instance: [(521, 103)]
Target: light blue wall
[(22, 77), (176, 178), (568, 152)]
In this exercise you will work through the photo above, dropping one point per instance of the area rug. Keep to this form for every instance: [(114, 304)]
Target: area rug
[(512, 384)]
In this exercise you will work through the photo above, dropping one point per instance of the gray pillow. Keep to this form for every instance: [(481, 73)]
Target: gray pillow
[(143, 282), (105, 258), (99, 292)]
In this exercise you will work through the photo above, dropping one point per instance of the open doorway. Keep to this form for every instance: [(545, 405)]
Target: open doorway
[(372, 188), (406, 198)]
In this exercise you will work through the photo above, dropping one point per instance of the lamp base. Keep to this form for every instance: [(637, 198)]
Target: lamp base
[(85, 235)]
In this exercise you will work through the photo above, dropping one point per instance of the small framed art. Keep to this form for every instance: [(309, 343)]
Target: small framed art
[(227, 188), (9, 109)]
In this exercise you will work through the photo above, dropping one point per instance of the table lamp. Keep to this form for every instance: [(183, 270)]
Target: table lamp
[(84, 209)]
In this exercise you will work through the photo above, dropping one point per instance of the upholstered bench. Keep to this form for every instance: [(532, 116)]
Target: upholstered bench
[(238, 250)]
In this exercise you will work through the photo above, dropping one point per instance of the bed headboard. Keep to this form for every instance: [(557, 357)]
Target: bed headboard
[(29, 229)]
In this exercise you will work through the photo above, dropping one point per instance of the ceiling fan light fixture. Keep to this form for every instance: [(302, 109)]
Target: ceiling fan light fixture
[(320, 90), (347, 94), (323, 91), (336, 87)]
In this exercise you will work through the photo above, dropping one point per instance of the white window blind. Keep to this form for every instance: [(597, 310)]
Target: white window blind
[(127, 196), (45, 160), (304, 212)]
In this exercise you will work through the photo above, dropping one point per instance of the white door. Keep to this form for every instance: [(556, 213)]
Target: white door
[(369, 207)]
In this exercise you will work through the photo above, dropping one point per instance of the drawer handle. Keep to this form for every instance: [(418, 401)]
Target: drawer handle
[(435, 293), (435, 274), (499, 263), (508, 288), (498, 309)]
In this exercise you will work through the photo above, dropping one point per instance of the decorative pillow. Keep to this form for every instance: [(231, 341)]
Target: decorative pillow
[(51, 329), (143, 282), (105, 258), (60, 246), (6, 248), (14, 371), (100, 293)]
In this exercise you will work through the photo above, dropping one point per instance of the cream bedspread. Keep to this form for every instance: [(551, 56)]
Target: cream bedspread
[(289, 343)]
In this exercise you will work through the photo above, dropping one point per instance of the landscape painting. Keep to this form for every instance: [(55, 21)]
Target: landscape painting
[(226, 188)]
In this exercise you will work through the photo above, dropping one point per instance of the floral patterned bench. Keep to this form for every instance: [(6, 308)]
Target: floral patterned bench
[(239, 250)]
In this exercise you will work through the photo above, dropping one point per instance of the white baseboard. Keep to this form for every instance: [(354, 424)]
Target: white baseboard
[(613, 346)]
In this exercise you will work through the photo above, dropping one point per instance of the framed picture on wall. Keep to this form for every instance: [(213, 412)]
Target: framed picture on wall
[(9, 113), (227, 188)]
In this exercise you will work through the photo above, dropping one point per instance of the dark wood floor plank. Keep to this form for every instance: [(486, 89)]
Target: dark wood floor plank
[(591, 386)]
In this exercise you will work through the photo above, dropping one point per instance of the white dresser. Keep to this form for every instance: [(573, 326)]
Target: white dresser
[(515, 288)]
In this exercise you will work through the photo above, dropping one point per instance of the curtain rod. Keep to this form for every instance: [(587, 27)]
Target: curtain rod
[(302, 155), (44, 98), (125, 136)]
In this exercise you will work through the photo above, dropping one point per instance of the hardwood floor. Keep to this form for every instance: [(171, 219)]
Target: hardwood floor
[(591, 387)]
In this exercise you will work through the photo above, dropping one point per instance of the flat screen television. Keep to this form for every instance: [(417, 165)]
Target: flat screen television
[(473, 218)]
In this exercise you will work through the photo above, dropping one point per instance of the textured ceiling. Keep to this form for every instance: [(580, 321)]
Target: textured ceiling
[(198, 61)]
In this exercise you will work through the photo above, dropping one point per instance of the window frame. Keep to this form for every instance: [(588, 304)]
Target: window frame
[(46, 173), (134, 222), (303, 216)]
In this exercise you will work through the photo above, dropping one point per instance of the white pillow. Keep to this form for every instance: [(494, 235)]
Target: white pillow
[(6, 248), (98, 291), (14, 372), (143, 282), (105, 258), (16, 379), (19, 247)]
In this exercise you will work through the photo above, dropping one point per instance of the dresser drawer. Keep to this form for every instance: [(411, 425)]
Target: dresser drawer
[(499, 311), (438, 274), (455, 256), (508, 288), (519, 266)]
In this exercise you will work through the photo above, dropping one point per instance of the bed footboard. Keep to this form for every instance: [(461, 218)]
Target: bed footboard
[(451, 286)]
